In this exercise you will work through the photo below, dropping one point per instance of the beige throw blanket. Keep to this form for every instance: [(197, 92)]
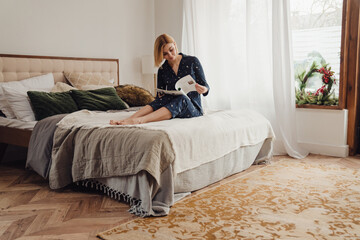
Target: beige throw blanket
[(194, 141), (84, 152)]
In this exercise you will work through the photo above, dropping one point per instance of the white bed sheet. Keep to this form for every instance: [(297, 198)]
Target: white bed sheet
[(15, 123), (29, 125)]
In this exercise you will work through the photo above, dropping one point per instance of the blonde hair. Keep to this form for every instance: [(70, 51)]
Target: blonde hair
[(160, 42)]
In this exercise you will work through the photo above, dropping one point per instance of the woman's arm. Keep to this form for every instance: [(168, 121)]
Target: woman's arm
[(201, 87)]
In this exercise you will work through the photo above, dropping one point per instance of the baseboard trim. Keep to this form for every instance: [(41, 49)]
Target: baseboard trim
[(328, 150)]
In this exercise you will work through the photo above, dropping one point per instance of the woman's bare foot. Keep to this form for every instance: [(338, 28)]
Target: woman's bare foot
[(127, 121), (131, 121), (114, 122), (137, 118)]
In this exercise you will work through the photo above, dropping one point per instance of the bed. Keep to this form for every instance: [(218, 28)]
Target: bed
[(151, 165)]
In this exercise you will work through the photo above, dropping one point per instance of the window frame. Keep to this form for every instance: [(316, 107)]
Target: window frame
[(351, 73), (342, 93)]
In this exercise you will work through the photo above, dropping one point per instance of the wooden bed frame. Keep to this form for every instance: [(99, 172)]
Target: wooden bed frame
[(19, 67)]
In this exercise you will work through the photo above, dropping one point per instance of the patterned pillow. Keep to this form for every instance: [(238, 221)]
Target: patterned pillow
[(133, 95), (93, 87), (62, 87), (78, 80)]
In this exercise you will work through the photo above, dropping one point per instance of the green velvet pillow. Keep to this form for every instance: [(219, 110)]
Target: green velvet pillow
[(102, 99), (46, 104)]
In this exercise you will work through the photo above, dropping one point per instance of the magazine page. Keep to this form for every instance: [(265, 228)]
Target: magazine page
[(183, 86), (186, 84)]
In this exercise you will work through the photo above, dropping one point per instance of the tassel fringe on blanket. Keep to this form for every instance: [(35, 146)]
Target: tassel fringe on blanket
[(135, 204)]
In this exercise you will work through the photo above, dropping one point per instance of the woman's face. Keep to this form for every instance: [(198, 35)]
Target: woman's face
[(169, 52)]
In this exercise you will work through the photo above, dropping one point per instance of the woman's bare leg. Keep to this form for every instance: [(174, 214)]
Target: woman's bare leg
[(143, 111), (159, 115)]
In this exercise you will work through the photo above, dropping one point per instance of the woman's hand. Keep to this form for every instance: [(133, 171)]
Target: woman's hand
[(201, 89)]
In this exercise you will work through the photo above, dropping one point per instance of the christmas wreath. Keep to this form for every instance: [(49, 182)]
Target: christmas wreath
[(324, 95)]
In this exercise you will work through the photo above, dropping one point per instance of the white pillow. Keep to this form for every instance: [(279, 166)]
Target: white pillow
[(39, 83), (4, 106), (19, 102)]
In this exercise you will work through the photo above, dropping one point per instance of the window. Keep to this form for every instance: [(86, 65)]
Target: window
[(316, 38)]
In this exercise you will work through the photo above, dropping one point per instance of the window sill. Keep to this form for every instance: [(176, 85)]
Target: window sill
[(319, 106)]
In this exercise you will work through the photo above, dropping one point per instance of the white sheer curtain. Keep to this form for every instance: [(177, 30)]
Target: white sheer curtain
[(244, 47)]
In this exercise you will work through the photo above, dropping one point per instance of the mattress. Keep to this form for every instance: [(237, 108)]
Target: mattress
[(233, 162)]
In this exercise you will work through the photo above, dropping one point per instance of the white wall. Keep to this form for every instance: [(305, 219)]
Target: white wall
[(323, 131), (123, 29), (120, 29), (169, 19)]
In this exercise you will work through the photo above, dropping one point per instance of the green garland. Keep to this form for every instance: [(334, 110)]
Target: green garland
[(324, 95)]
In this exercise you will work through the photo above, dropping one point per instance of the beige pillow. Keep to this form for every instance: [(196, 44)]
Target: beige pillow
[(92, 87), (81, 79), (62, 87)]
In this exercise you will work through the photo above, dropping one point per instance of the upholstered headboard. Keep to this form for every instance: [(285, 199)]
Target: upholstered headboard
[(18, 67)]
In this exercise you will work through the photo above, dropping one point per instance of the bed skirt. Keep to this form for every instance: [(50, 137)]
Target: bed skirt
[(141, 186)]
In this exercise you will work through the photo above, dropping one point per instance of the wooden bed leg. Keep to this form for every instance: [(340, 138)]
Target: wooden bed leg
[(3, 147)]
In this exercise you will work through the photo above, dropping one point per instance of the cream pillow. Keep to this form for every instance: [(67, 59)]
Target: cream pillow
[(79, 80), (93, 87), (43, 83), (62, 87)]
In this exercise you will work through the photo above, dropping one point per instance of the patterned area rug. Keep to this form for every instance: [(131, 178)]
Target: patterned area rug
[(289, 199)]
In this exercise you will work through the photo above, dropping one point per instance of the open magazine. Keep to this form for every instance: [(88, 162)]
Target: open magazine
[(183, 86)]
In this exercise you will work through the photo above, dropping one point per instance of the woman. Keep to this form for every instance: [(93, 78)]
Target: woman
[(176, 66)]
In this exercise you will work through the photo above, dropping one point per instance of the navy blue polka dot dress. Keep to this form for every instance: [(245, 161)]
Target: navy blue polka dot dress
[(180, 106)]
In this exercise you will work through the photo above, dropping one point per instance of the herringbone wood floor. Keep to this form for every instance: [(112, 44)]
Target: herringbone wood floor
[(30, 210)]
